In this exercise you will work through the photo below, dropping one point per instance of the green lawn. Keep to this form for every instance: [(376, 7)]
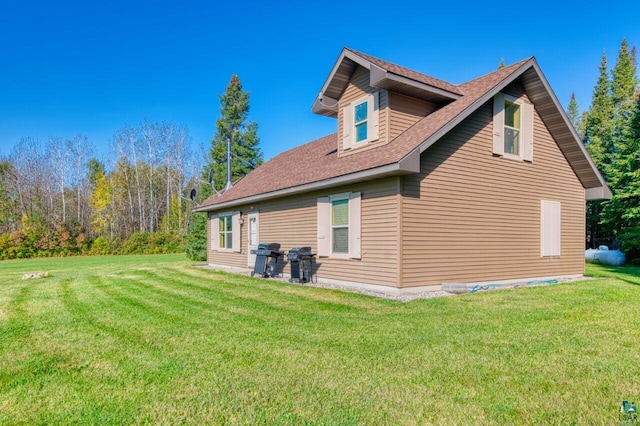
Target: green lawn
[(150, 339)]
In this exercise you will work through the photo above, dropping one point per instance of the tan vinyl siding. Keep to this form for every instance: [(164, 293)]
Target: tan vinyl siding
[(292, 222), (359, 87), (405, 111), (228, 258), (471, 216)]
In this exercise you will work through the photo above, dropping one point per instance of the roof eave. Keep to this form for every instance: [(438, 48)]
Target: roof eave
[(383, 79), (601, 188), (317, 107), (598, 193), (409, 165), (324, 105)]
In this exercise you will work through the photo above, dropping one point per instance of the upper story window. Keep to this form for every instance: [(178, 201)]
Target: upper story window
[(512, 128), (360, 114), (360, 121)]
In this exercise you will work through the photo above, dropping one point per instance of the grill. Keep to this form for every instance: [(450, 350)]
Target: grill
[(264, 253), (301, 264)]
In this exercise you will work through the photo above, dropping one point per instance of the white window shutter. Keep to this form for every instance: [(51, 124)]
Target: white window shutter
[(324, 227), (373, 116), (235, 231), (498, 124), (550, 228), (347, 126), (215, 235), (355, 225), (527, 131)]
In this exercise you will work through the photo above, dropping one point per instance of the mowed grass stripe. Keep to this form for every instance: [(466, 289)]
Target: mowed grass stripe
[(218, 307), (15, 320), (231, 283), (249, 293), (149, 339), (201, 307), (100, 313), (283, 319)]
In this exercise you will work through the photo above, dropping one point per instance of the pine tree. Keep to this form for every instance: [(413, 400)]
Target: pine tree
[(622, 213), (245, 156), (619, 161), (598, 127), (599, 120), (624, 82), (573, 112), (623, 89), (233, 125), (196, 246)]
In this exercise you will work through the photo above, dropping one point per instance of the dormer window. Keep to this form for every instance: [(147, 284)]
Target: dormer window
[(360, 115), (360, 121)]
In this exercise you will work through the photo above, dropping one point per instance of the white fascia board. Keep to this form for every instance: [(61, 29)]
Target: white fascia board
[(406, 166), (320, 107), (599, 193)]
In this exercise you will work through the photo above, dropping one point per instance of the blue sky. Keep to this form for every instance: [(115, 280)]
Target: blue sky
[(92, 67)]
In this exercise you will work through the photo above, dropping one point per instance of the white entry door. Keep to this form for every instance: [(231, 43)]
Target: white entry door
[(252, 218)]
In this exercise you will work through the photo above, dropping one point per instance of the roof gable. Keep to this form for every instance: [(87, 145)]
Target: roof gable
[(383, 75), (316, 165), (547, 105)]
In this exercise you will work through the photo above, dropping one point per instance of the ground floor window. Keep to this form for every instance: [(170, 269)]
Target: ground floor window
[(340, 225), (225, 228)]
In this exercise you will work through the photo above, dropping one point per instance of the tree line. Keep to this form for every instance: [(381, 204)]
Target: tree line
[(59, 198), (610, 129)]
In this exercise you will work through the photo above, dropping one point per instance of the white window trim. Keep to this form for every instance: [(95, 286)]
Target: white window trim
[(325, 229), (220, 215), (213, 229), (526, 128), (332, 198), (373, 120), (366, 121), (236, 245), (519, 156)]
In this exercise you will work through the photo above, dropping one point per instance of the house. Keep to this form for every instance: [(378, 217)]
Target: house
[(424, 182)]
